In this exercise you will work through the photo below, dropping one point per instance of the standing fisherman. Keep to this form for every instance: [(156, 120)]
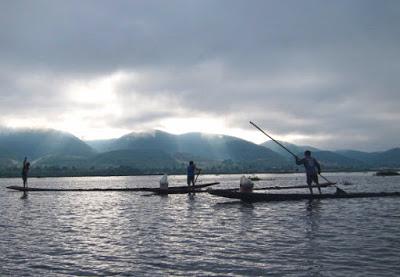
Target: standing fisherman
[(314, 163), (312, 169), (191, 172), (25, 169)]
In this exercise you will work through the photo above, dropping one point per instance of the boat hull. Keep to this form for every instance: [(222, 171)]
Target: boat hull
[(273, 197), (170, 190)]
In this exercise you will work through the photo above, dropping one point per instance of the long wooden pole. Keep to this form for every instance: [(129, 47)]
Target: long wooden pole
[(194, 183), (277, 142)]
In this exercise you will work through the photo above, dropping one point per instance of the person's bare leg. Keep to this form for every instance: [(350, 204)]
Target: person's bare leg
[(317, 183), (319, 188), (309, 183), (310, 188)]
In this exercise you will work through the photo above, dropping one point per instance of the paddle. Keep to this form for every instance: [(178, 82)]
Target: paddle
[(339, 190)]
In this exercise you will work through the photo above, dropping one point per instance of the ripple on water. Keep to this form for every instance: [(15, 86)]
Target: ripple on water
[(125, 234)]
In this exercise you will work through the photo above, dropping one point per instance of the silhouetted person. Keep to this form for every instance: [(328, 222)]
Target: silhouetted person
[(25, 169), (312, 169), (191, 172)]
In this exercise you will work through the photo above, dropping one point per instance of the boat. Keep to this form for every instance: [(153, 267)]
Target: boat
[(170, 190), (387, 172), (323, 185), (270, 197), (179, 191), (254, 178), (183, 189)]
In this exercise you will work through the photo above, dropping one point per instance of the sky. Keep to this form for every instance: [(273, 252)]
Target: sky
[(319, 73)]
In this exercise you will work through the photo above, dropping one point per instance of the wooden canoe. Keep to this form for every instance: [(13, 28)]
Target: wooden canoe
[(176, 189), (185, 189), (269, 197), (323, 185)]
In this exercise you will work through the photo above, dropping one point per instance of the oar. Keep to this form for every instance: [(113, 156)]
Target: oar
[(294, 155)]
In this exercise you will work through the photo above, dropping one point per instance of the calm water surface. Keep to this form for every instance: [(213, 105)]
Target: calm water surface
[(133, 234)]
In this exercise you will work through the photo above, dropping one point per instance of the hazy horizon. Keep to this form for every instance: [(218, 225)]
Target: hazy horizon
[(149, 132), (323, 74)]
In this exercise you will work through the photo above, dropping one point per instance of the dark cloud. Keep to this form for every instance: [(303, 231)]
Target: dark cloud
[(327, 71)]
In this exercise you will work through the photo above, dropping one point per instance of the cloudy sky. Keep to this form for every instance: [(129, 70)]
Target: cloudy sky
[(321, 73)]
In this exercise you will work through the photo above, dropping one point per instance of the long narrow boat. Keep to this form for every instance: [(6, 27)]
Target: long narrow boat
[(197, 189), (183, 189), (177, 189), (269, 197), (323, 185)]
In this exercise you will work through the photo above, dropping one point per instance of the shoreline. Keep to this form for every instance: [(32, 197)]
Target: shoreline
[(182, 174)]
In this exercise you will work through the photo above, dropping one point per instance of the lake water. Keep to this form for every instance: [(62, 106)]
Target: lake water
[(132, 234)]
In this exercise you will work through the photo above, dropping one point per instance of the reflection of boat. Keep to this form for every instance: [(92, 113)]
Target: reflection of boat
[(387, 172), (269, 197), (170, 190)]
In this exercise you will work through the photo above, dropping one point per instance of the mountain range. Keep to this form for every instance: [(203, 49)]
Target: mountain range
[(55, 153)]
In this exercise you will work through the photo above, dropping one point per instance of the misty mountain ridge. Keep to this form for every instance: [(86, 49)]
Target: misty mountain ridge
[(160, 151), (295, 149), (214, 147), (37, 143), (220, 152), (390, 158)]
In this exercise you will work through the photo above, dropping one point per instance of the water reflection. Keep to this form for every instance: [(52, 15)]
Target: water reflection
[(191, 195), (227, 203), (24, 195), (312, 248), (246, 219), (104, 234), (313, 206)]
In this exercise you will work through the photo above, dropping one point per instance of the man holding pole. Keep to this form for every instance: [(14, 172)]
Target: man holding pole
[(312, 168), (191, 172)]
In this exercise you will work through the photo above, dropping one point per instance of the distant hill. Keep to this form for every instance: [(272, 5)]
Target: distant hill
[(332, 160), (328, 159), (55, 153), (102, 145), (209, 147), (296, 149), (364, 157), (62, 160), (342, 159), (52, 152), (215, 153), (47, 150), (16, 144), (389, 158), (138, 158)]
